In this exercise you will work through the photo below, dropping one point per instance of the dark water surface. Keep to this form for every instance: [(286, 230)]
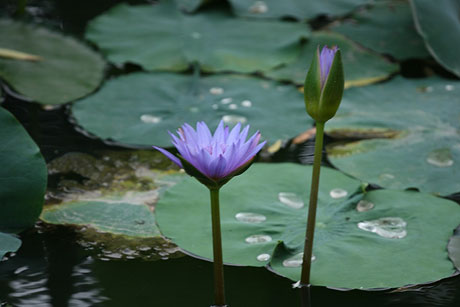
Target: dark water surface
[(53, 269)]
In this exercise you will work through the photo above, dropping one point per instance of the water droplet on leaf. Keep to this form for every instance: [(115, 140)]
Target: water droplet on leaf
[(255, 239), (440, 157), (449, 87), (246, 103), (338, 193), (259, 7), (387, 227), (150, 119), (196, 35), (216, 90), (226, 100), (364, 205), (233, 106), (263, 257), (291, 200), (234, 119), (250, 217), (296, 261)]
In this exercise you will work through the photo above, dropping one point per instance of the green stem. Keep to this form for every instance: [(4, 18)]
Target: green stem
[(219, 295), (308, 248)]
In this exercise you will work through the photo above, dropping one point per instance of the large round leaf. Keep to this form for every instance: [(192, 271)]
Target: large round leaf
[(160, 37), (299, 9), (354, 58), (22, 175), (438, 22), (410, 134), (8, 244), (66, 70), (140, 108), (263, 216), (387, 27)]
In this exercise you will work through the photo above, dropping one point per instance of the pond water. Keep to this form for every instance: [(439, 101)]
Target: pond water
[(55, 267)]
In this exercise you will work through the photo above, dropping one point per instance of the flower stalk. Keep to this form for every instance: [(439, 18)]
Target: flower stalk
[(219, 294), (323, 92)]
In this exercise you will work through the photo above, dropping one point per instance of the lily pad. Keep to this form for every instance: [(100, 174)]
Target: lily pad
[(139, 109), (65, 71), (160, 37), (299, 9), (354, 59), (120, 218), (438, 22), (8, 244), (409, 126), (454, 248), (23, 176), (386, 27), (263, 219)]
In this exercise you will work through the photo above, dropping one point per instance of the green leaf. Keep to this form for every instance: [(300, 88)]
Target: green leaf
[(122, 218), (160, 37), (66, 71), (23, 176), (454, 248), (299, 9), (8, 244), (190, 5), (438, 22), (354, 60), (346, 256), (386, 27), (139, 109), (409, 131)]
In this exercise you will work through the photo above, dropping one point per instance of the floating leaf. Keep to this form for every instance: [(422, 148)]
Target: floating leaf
[(438, 22), (299, 9), (160, 37), (353, 57), (190, 5), (23, 176), (386, 27), (454, 248), (67, 70), (121, 218), (263, 215), (410, 127), (8, 244), (17, 55), (140, 108)]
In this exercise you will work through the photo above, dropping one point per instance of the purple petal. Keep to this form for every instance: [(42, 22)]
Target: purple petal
[(325, 61), (169, 155)]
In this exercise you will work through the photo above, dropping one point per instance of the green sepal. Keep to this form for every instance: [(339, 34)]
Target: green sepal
[(322, 103), (210, 183), (333, 90), (312, 87)]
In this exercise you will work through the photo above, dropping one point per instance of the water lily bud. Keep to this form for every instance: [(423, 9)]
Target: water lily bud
[(324, 84)]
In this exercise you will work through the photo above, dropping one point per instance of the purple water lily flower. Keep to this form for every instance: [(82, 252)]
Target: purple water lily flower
[(325, 61), (215, 156)]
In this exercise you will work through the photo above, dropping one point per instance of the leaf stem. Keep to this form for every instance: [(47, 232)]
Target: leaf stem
[(308, 247), (219, 295)]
